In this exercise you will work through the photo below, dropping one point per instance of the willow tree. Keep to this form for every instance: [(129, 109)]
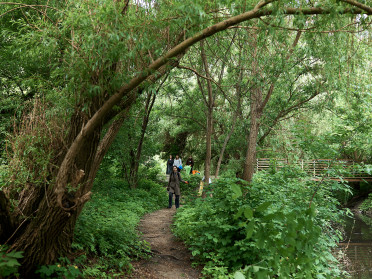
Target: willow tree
[(303, 67), (101, 56)]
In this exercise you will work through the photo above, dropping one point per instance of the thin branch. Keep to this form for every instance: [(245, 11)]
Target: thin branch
[(206, 78), (188, 117), (359, 5), (33, 7), (312, 28)]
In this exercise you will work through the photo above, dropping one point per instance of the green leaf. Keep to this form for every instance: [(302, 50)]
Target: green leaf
[(311, 211), (239, 275), (248, 213), (263, 206), (249, 229), (239, 213), (237, 192)]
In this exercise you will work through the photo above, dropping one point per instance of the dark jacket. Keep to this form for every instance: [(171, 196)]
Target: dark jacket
[(190, 162), (169, 166), (174, 183)]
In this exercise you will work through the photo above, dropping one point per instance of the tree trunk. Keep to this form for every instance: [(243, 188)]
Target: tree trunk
[(135, 157), (46, 232), (106, 142), (226, 141), (210, 104), (257, 106), (250, 157)]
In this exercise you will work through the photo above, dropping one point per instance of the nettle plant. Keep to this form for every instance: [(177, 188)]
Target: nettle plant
[(277, 226)]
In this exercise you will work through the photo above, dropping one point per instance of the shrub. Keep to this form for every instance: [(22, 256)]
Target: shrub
[(190, 191), (63, 269), (107, 224), (267, 229)]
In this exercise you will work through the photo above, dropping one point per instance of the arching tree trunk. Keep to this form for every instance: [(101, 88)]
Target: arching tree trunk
[(47, 232)]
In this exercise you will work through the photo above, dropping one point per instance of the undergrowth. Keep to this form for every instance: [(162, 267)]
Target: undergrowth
[(106, 228), (279, 226)]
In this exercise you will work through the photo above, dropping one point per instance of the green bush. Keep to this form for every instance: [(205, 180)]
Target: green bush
[(267, 229), (189, 191), (107, 224), (151, 171), (63, 269)]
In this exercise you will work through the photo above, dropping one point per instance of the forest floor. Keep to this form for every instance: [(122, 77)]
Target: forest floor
[(171, 258)]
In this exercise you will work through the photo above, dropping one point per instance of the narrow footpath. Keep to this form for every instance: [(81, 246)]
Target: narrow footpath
[(171, 259)]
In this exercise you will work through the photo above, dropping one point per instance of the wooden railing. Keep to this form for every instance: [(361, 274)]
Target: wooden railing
[(319, 167)]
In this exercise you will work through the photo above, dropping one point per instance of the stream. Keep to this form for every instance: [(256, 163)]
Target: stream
[(358, 246)]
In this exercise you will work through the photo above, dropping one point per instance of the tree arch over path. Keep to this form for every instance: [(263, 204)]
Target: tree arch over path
[(54, 208)]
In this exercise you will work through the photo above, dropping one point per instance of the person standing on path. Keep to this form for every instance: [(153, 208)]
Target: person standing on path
[(170, 164), (190, 162), (174, 187), (178, 163)]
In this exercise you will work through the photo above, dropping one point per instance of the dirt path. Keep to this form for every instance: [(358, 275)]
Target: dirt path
[(171, 259)]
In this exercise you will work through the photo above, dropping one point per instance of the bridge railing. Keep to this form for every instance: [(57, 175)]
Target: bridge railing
[(318, 167)]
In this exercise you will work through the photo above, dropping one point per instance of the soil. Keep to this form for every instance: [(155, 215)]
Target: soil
[(171, 258)]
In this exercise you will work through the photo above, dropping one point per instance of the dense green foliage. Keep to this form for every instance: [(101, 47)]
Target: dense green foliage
[(107, 225), (106, 231), (271, 228)]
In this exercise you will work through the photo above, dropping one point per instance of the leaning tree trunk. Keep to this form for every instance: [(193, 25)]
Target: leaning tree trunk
[(135, 157), (48, 233), (6, 222)]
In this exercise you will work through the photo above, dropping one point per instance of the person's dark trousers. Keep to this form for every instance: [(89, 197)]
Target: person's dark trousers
[(177, 201)]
